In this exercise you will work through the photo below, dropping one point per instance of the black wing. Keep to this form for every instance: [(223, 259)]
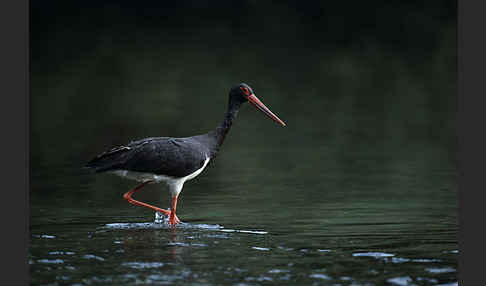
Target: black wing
[(175, 157)]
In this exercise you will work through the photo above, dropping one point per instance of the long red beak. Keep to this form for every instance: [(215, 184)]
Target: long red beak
[(258, 104)]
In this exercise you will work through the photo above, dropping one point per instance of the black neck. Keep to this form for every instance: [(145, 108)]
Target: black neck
[(220, 133)]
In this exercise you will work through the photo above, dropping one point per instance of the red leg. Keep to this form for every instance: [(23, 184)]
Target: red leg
[(128, 196), (173, 219)]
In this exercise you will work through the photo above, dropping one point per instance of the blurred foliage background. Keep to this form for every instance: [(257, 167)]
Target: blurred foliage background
[(352, 80)]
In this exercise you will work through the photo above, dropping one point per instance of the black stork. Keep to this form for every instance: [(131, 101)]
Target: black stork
[(173, 160)]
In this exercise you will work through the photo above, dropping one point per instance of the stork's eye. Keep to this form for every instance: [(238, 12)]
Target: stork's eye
[(245, 90)]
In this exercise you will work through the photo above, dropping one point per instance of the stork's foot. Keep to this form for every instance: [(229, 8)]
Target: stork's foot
[(173, 219)]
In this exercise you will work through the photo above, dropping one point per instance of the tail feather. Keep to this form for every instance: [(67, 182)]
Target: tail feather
[(108, 160)]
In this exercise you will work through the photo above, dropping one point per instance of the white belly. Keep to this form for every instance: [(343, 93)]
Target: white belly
[(175, 184)]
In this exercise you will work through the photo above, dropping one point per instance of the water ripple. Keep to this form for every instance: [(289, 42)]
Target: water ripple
[(91, 256), (320, 276), (51, 261), (143, 265), (373, 254), (260, 248), (401, 281), (245, 231), (440, 270)]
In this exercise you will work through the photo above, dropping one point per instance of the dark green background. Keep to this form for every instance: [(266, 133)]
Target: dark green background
[(381, 73)]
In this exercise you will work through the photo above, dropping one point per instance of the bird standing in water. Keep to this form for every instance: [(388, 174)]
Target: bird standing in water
[(174, 160)]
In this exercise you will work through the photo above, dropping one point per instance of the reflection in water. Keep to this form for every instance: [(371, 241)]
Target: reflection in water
[(174, 240)]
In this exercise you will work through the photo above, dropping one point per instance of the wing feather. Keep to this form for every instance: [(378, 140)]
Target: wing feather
[(176, 157)]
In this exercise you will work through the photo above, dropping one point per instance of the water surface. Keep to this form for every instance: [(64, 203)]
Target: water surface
[(381, 222)]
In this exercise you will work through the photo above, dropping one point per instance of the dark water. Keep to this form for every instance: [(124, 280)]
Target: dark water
[(269, 221)]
